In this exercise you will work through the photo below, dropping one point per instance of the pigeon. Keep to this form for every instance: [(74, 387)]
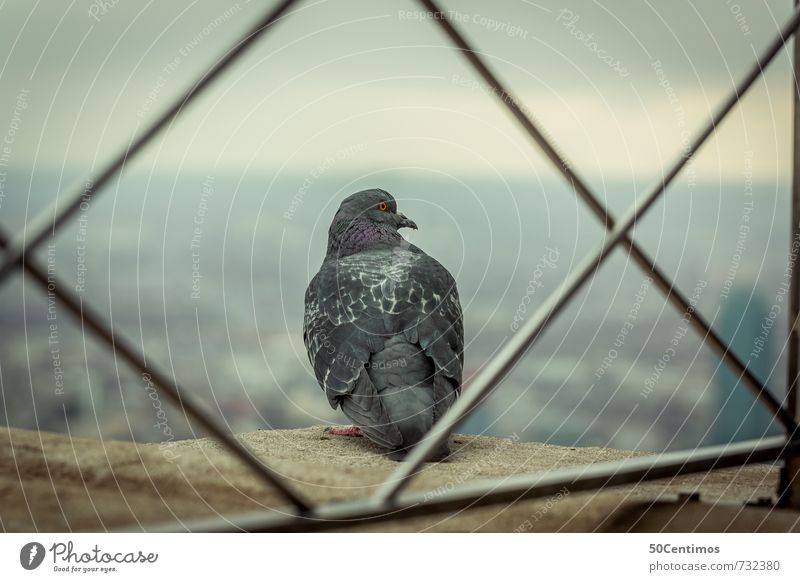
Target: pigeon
[(383, 327)]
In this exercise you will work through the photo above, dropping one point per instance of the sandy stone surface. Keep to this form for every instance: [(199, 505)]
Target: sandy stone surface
[(51, 482)]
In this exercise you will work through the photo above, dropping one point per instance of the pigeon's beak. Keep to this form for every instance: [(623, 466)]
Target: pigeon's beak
[(405, 222)]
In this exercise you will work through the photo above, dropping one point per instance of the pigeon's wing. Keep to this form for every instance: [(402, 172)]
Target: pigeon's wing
[(344, 322), (439, 325)]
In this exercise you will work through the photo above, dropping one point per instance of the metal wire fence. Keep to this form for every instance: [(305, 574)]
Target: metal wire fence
[(389, 502)]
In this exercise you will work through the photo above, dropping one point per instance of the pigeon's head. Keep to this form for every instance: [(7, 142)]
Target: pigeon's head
[(365, 219), (376, 206)]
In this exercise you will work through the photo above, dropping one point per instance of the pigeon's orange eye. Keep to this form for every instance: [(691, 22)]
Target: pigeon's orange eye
[(383, 206)]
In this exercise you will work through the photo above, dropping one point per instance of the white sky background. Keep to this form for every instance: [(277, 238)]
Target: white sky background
[(334, 75)]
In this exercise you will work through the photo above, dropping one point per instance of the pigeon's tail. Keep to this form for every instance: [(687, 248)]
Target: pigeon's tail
[(363, 407), (397, 400), (411, 410)]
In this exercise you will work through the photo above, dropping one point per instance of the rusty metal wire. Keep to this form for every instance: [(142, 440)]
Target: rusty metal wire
[(386, 504), (505, 359), (20, 254)]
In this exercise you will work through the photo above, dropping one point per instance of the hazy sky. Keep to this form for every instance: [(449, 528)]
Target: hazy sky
[(376, 85)]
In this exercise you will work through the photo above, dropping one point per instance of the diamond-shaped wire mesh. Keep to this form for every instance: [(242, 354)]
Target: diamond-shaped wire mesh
[(19, 253)]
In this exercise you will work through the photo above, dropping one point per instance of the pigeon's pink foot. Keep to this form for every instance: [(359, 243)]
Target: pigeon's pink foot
[(349, 431)]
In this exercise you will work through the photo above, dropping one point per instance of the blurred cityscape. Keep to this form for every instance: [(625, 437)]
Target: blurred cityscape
[(206, 273)]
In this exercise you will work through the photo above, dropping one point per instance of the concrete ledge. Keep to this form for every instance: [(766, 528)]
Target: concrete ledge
[(50, 482)]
